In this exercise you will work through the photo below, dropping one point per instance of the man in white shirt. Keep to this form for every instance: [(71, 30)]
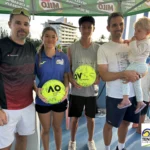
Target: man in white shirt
[(112, 61)]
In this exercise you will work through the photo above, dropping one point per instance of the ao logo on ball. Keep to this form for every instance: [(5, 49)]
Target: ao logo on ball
[(85, 75), (53, 91)]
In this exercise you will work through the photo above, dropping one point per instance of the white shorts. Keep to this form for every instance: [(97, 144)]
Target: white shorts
[(20, 121)]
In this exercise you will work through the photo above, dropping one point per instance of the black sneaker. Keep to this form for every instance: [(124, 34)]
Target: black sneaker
[(118, 148)]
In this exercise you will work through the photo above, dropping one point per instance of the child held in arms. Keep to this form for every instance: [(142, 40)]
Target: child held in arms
[(139, 51)]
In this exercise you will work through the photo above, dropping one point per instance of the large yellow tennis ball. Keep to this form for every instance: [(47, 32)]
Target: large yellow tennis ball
[(85, 75), (53, 91)]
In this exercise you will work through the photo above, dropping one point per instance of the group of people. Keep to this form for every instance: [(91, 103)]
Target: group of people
[(20, 64)]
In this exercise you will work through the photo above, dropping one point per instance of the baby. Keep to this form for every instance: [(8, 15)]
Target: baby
[(139, 51)]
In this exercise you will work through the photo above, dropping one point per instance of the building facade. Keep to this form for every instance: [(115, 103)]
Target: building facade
[(67, 33)]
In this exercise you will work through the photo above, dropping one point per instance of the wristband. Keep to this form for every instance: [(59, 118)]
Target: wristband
[(140, 75)]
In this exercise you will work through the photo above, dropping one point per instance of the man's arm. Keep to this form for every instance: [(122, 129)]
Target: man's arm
[(66, 81), (3, 117), (129, 76), (34, 86), (98, 78), (70, 61)]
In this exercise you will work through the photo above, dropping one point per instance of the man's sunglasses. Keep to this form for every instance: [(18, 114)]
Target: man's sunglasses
[(18, 11)]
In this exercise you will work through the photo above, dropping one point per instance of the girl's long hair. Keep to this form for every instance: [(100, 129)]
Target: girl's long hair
[(41, 48)]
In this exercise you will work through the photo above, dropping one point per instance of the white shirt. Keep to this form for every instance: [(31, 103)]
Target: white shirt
[(139, 50), (116, 56), (145, 82)]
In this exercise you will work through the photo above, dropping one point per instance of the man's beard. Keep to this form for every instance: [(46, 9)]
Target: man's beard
[(22, 36)]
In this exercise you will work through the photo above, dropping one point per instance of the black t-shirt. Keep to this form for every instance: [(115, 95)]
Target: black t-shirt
[(16, 74)]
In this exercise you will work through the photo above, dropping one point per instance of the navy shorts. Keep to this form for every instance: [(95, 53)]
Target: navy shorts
[(78, 103), (114, 116), (61, 107), (144, 111)]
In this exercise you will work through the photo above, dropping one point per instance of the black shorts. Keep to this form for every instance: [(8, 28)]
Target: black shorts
[(114, 116), (61, 107), (78, 103), (144, 111)]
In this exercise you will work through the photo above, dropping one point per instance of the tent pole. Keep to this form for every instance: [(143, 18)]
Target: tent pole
[(119, 6), (131, 26), (32, 8), (125, 24), (146, 14)]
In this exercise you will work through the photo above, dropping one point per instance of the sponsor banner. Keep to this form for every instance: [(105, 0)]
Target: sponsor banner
[(145, 135), (17, 3), (49, 4), (106, 7), (77, 7)]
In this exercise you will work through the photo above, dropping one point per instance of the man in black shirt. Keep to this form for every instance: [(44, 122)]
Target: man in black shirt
[(17, 112)]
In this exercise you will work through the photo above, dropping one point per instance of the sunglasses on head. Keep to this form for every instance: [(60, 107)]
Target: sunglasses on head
[(18, 11)]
